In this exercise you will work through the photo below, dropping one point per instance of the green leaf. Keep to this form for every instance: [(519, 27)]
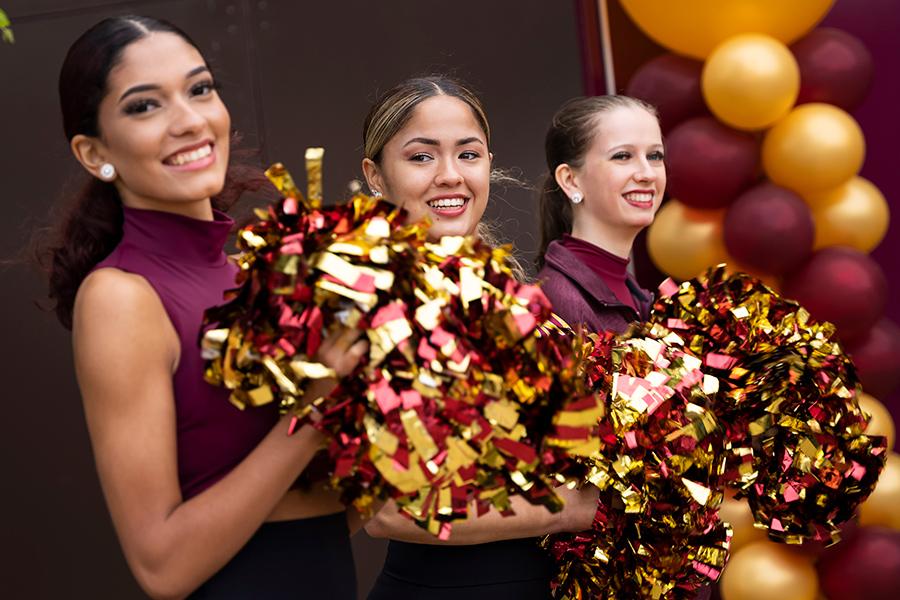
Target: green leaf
[(5, 31)]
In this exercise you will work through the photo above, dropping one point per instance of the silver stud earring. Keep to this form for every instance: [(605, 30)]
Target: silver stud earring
[(376, 194), (577, 198), (107, 172)]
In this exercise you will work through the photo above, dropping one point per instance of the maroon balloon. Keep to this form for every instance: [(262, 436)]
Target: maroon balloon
[(769, 228), (671, 83), (877, 359), (841, 285), (864, 567), (835, 67), (709, 164)]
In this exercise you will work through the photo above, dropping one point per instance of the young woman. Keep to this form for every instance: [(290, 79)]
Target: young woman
[(199, 492), (427, 148), (606, 181)]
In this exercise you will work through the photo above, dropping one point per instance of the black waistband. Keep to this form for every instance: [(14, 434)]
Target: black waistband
[(478, 564), (311, 558)]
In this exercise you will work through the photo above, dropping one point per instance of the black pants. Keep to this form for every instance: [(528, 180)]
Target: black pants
[(305, 558), (507, 570)]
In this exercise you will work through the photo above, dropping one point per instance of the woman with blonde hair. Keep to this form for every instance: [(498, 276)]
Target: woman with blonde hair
[(427, 149)]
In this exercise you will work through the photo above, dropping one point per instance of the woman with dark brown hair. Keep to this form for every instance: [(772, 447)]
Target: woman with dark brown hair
[(427, 149), (201, 494)]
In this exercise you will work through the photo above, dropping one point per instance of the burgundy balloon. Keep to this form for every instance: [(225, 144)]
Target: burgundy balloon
[(835, 67), (671, 83), (769, 228), (815, 549), (864, 567), (708, 164), (877, 359), (841, 285)]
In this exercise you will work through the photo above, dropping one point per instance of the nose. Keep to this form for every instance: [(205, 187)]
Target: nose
[(185, 118), (448, 174), (645, 172)]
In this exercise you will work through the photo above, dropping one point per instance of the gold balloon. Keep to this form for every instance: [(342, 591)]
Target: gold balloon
[(882, 422), (815, 148), (737, 513), (751, 81), (883, 506), (769, 570), (853, 214), (683, 241), (695, 27)]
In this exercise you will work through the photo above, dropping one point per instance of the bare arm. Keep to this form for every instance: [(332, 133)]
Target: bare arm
[(125, 352), (529, 521)]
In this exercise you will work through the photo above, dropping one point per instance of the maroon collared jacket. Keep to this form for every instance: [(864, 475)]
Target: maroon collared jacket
[(580, 296)]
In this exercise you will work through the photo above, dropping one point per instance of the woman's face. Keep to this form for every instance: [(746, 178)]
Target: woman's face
[(164, 127), (438, 166), (623, 176)]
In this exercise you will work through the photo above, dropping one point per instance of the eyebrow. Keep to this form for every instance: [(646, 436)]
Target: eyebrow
[(149, 87), (632, 147), (432, 142)]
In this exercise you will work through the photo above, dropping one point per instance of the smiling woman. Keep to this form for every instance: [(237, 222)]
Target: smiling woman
[(606, 181), (200, 493), (427, 146)]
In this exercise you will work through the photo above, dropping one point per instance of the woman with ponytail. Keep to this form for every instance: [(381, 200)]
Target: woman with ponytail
[(202, 495), (606, 181)]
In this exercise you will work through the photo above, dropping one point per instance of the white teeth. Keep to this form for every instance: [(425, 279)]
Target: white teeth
[(639, 196), (447, 203), (189, 157)]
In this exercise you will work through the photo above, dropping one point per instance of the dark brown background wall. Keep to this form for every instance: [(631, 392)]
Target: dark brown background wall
[(296, 74)]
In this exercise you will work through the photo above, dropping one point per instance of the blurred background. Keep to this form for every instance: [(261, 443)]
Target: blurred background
[(782, 132)]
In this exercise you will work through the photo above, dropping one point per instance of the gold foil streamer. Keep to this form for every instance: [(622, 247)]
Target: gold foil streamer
[(447, 411), (314, 158), (788, 395), (657, 469)]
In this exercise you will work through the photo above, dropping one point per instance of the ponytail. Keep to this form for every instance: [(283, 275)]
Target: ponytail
[(90, 228), (556, 216)]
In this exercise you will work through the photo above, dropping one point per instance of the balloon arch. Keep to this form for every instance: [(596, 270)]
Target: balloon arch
[(764, 160)]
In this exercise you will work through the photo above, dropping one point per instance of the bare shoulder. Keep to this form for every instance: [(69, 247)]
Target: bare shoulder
[(117, 309), (113, 291)]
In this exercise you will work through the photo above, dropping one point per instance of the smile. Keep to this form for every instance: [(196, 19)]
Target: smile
[(448, 206), (192, 158), (639, 199)]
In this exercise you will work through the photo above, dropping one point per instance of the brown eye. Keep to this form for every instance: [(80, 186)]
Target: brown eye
[(140, 106), (203, 88)]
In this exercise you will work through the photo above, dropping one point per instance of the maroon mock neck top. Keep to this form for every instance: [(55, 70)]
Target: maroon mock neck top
[(612, 269), (183, 259)]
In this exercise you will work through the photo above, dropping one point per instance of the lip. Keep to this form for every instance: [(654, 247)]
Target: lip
[(449, 212), (197, 165)]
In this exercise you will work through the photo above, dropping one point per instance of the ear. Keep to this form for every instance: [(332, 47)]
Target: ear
[(373, 176), (491, 157), (90, 152), (566, 180)]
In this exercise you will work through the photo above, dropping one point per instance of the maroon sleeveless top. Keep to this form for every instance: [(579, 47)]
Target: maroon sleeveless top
[(183, 259)]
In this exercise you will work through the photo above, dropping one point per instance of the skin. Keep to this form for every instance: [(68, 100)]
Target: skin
[(412, 172), (126, 349), (441, 152), (622, 180)]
